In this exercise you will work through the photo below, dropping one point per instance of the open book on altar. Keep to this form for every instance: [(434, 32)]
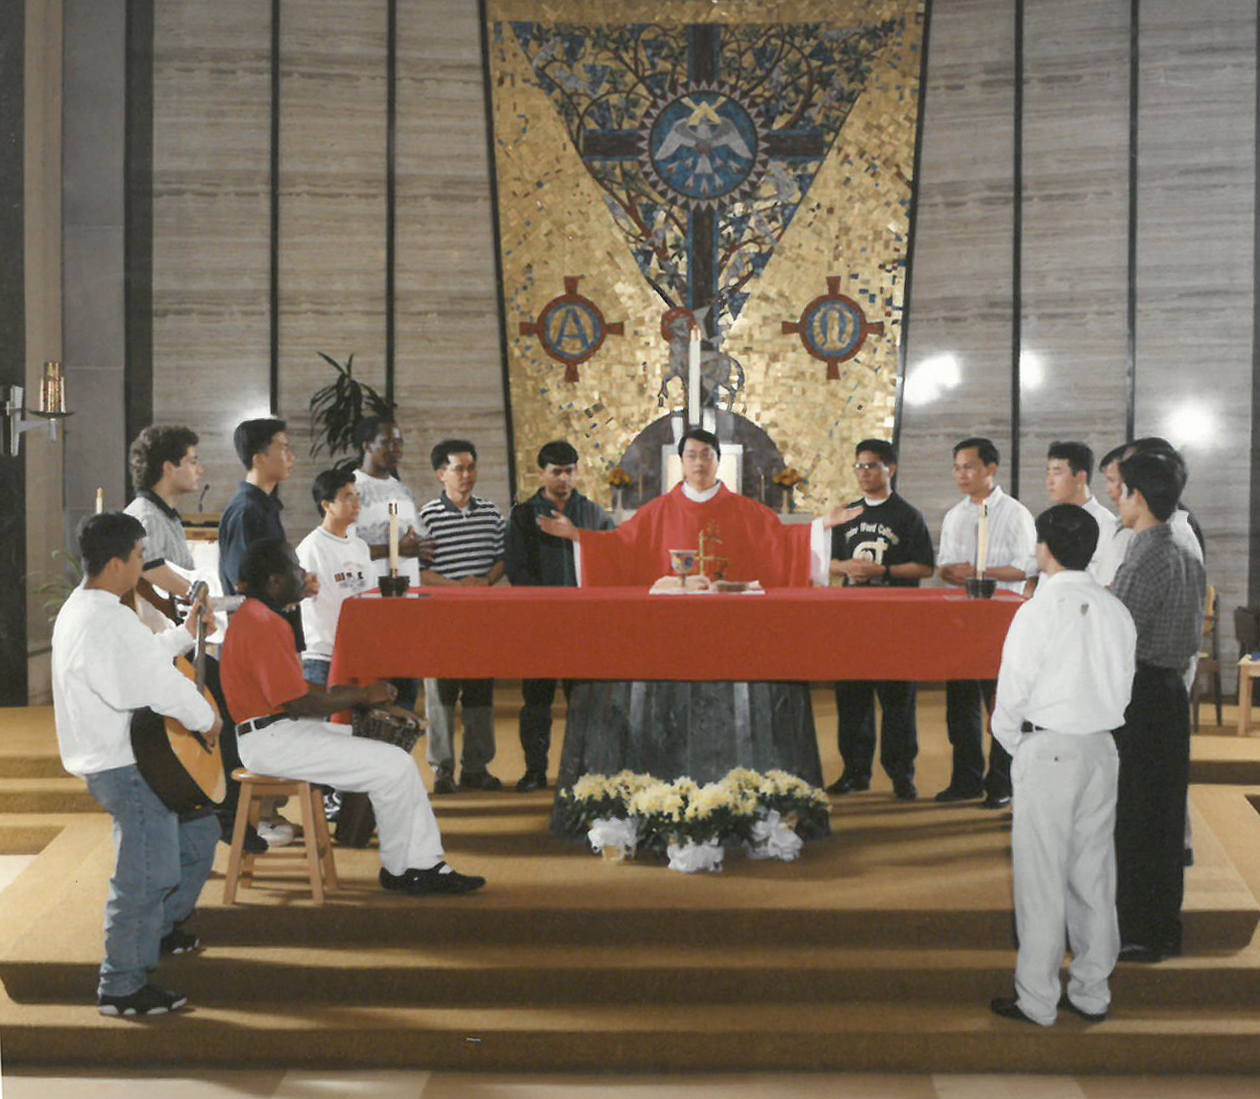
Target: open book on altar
[(702, 585)]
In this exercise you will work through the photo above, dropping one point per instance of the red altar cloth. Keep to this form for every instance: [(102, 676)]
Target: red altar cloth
[(626, 634)]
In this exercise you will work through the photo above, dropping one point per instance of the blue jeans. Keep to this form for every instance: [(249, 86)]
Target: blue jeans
[(162, 864), (315, 670)]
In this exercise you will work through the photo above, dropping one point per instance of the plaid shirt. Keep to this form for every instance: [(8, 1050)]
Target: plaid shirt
[(1165, 589)]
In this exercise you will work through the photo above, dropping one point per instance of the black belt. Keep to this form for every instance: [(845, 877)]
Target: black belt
[(260, 723)]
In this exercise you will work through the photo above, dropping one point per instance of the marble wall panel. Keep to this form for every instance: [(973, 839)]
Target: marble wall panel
[(449, 374), (211, 141), (1074, 324), (45, 527), (332, 211), (959, 329), (1195, 262)]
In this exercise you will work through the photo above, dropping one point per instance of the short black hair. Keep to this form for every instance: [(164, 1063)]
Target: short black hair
[(368, 428), (262, 560), (1079, 457), (1154, 444), (700, 436), (1115, 454), (106, 536), (328, 484), (1158, 477), (988, 452), (441, 454), (156, 445), (557, 453), (254, 436), (881, 448), (1070, 534)]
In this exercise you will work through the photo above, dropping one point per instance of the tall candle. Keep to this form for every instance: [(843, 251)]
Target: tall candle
[(393, 538), (100, 500), (693, 378), (982, 552)]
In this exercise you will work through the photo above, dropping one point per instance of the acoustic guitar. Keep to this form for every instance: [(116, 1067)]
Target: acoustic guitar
[(182, 769)]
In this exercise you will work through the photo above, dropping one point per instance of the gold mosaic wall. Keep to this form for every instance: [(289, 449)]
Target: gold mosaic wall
[(848, 235)]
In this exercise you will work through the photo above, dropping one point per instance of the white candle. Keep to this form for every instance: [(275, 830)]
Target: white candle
[(100, 501), (393, 538), (982, 552), (693, 378)]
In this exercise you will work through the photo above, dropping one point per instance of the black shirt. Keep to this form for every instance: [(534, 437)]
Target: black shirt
[(543, 560), (889, 533)]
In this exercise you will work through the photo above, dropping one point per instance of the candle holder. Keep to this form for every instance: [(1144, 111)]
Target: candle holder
[(394, 586), (15, 413), (980, 587)]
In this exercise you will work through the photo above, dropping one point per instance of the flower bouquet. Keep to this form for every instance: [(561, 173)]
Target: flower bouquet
[(600, 805)]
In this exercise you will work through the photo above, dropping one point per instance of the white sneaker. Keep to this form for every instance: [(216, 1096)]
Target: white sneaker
[(276, 833)]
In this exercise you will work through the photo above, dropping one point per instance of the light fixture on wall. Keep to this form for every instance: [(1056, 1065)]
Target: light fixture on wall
[(52, 407), (927, 380), (1193, 424)]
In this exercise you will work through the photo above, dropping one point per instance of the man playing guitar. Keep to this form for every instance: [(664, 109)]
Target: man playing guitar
[(106, 664)]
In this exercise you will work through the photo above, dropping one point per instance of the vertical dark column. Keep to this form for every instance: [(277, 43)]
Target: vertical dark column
[(138, 217), (274, 296), (488, 91), (13, 677), (702, 272), (906, 314), (1017, 249), (391, 181), (1130, 413)]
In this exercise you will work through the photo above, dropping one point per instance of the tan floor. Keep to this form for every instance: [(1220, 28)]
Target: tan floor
[(441, 1085)]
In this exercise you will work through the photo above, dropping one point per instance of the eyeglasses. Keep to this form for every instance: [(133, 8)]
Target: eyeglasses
[(863, 467)]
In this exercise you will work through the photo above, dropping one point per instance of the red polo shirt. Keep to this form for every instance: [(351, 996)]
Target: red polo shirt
[(259, 665)]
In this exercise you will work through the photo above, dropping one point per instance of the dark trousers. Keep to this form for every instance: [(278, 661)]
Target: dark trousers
[(1154, 746), (964, 720), (472, 692), (539, 695), (855, 727)]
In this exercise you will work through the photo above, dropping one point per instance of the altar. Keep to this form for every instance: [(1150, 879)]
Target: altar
[(742, 642)]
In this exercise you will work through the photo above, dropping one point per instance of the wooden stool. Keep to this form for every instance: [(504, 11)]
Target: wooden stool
[(1247, 671), (317, 847)]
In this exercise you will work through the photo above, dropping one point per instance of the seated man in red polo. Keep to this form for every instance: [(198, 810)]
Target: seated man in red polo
[(280, 731)]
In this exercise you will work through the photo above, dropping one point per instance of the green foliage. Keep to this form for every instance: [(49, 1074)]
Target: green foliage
[(337, 409), (58, 591)]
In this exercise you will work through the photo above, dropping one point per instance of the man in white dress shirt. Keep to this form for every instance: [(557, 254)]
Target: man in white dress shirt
[(1067, 672), (105, 664), (1010, 560), (1069, 466)]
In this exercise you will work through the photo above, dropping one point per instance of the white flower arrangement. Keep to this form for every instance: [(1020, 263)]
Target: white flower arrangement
[(761, 811)]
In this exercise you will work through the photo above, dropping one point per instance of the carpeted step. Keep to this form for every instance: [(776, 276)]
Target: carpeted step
[(903, 1036), (472, 975), (46, 795)]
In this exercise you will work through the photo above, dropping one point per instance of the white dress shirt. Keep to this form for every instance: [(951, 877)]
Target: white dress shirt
[(1012, 536), (1068, 661), (105, 664), (1113, 542)]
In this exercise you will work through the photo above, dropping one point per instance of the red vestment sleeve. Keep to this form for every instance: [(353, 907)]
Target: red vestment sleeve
[(748, 535)]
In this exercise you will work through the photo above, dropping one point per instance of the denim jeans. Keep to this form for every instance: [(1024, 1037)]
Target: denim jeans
[(315, 670), (162, 864)]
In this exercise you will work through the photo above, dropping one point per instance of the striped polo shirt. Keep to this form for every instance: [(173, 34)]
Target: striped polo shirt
[(469, 542)]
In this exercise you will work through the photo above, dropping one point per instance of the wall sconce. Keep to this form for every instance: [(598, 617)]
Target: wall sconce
[(52, 407)]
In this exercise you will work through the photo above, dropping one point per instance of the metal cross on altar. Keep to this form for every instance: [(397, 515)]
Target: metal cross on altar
[(702, 558)]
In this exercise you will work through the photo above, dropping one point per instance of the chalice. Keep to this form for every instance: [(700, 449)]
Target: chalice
[(683, 562)]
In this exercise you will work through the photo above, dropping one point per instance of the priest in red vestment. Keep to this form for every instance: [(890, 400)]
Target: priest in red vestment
[(747, 537), (702, 730)]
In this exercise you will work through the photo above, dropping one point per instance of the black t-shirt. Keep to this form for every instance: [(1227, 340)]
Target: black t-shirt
[(891, 533)]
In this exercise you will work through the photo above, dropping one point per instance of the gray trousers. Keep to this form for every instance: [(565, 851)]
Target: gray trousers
[(477, 699)]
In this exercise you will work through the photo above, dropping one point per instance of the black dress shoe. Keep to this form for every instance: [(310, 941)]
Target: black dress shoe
[(905, 790), (1008, 1008), (996, 801), (953, 793), (1065, 1004), (847, 784), (1137, 952), (479, 780), (440, 879), (444, 784), (531, 781)]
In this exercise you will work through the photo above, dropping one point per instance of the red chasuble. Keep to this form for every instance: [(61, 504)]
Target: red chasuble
[(756, 544)]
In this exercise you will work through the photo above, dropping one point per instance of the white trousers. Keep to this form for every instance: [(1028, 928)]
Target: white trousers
[(318, 751), (1063, 848)]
